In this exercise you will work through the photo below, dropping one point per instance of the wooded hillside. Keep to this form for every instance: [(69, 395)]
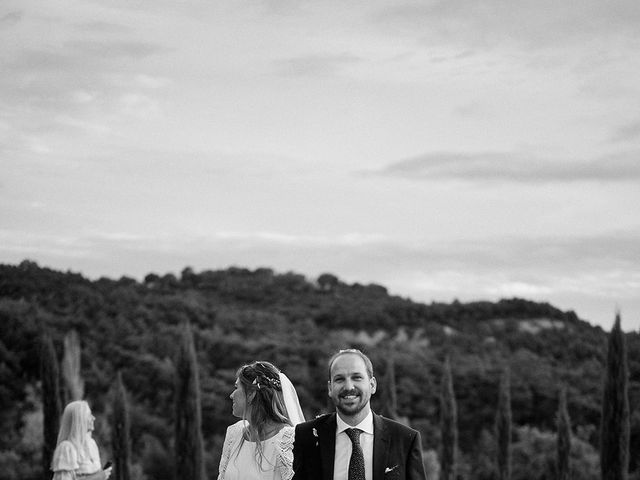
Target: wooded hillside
[(238, 315)]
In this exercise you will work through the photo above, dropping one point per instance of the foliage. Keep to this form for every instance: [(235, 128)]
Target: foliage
[(534, 453), (564, 439), (389, 390), (71, 367), (120, 441), (51, 403), (503, 428), (238, 315), (189, 452), (448, 424), (614, 436)]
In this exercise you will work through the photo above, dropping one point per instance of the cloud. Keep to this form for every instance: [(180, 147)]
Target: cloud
[(526, 23), (71, 56), (627, 133), (140, 106), (10, 18), (515, 167), (92, 83), (80, 56), (144, 166), (103, 27), (521, 260), (588, 274), (114, 49), (315, 65), (572, 255)]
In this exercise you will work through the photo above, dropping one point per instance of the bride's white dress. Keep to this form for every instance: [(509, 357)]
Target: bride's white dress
[(239, 461)]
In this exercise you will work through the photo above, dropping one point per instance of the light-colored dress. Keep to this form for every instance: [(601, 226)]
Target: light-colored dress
[(68, 462), (239, 460)]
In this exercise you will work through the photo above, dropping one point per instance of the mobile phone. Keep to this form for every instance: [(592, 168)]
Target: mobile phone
[(107, 465)]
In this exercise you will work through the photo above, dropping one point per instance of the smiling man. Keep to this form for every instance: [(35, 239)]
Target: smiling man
[(354, 443)]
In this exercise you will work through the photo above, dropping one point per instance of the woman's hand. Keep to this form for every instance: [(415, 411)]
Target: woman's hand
[(107, 472)]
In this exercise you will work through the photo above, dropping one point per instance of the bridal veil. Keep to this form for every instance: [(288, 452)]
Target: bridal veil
[(291, 402)]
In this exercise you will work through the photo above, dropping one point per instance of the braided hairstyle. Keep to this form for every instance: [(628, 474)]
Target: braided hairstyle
[(263, 393)]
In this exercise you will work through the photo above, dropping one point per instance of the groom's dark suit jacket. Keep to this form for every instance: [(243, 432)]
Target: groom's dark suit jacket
[(397, 450)]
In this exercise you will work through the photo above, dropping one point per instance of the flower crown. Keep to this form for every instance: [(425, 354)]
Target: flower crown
[(267, 382)]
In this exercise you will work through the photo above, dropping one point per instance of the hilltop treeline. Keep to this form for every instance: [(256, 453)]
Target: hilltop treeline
[(238, 315)]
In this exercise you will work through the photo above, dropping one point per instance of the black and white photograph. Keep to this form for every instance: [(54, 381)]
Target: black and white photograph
[(337, 240)]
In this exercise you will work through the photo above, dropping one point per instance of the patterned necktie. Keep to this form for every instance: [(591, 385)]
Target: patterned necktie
[(356, 463)]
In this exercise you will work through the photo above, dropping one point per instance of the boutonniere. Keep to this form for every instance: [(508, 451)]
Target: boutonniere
[(315, 434), (387, 470)]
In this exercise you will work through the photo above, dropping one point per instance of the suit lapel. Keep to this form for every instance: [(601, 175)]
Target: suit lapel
[(380, 447), (327, 439)]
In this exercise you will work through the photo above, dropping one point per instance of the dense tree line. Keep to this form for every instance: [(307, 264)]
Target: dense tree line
[(131, 332)]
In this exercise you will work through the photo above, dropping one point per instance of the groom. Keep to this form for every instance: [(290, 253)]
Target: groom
[(355, 443)]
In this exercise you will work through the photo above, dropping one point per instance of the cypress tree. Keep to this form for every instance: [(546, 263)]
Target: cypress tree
[(614, 429), (503, 428), (71, 367), (189, 449), (120, 441), (51, 404), (390, 407), (448, 425), (564, 438)]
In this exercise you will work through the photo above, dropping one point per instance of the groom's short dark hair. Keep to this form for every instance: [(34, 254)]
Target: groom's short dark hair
[(352, 351)]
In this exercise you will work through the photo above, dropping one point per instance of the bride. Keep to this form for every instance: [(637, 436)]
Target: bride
[(260, 445)]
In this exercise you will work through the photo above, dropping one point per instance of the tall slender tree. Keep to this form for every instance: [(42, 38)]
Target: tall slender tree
[(564, 438), (503, 427), (51, 403), (614, 429), (120, 440), (390, 407), (71, 367), (448, 424), (189, 449)]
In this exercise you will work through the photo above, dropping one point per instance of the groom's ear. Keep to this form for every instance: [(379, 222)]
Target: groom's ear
[(329, 388), (374, 385)]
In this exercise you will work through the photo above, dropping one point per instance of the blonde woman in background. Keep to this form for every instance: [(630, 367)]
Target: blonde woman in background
[(76, 455)]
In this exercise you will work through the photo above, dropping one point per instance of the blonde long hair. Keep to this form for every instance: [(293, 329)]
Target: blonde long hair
[(74, 425)]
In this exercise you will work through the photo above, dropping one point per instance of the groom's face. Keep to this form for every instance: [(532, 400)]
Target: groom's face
[(350, 386)]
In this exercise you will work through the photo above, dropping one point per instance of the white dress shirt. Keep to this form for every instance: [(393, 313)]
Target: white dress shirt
[(344, 447)]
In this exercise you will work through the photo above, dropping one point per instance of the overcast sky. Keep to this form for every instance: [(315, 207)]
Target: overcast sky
[(444, 149)]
